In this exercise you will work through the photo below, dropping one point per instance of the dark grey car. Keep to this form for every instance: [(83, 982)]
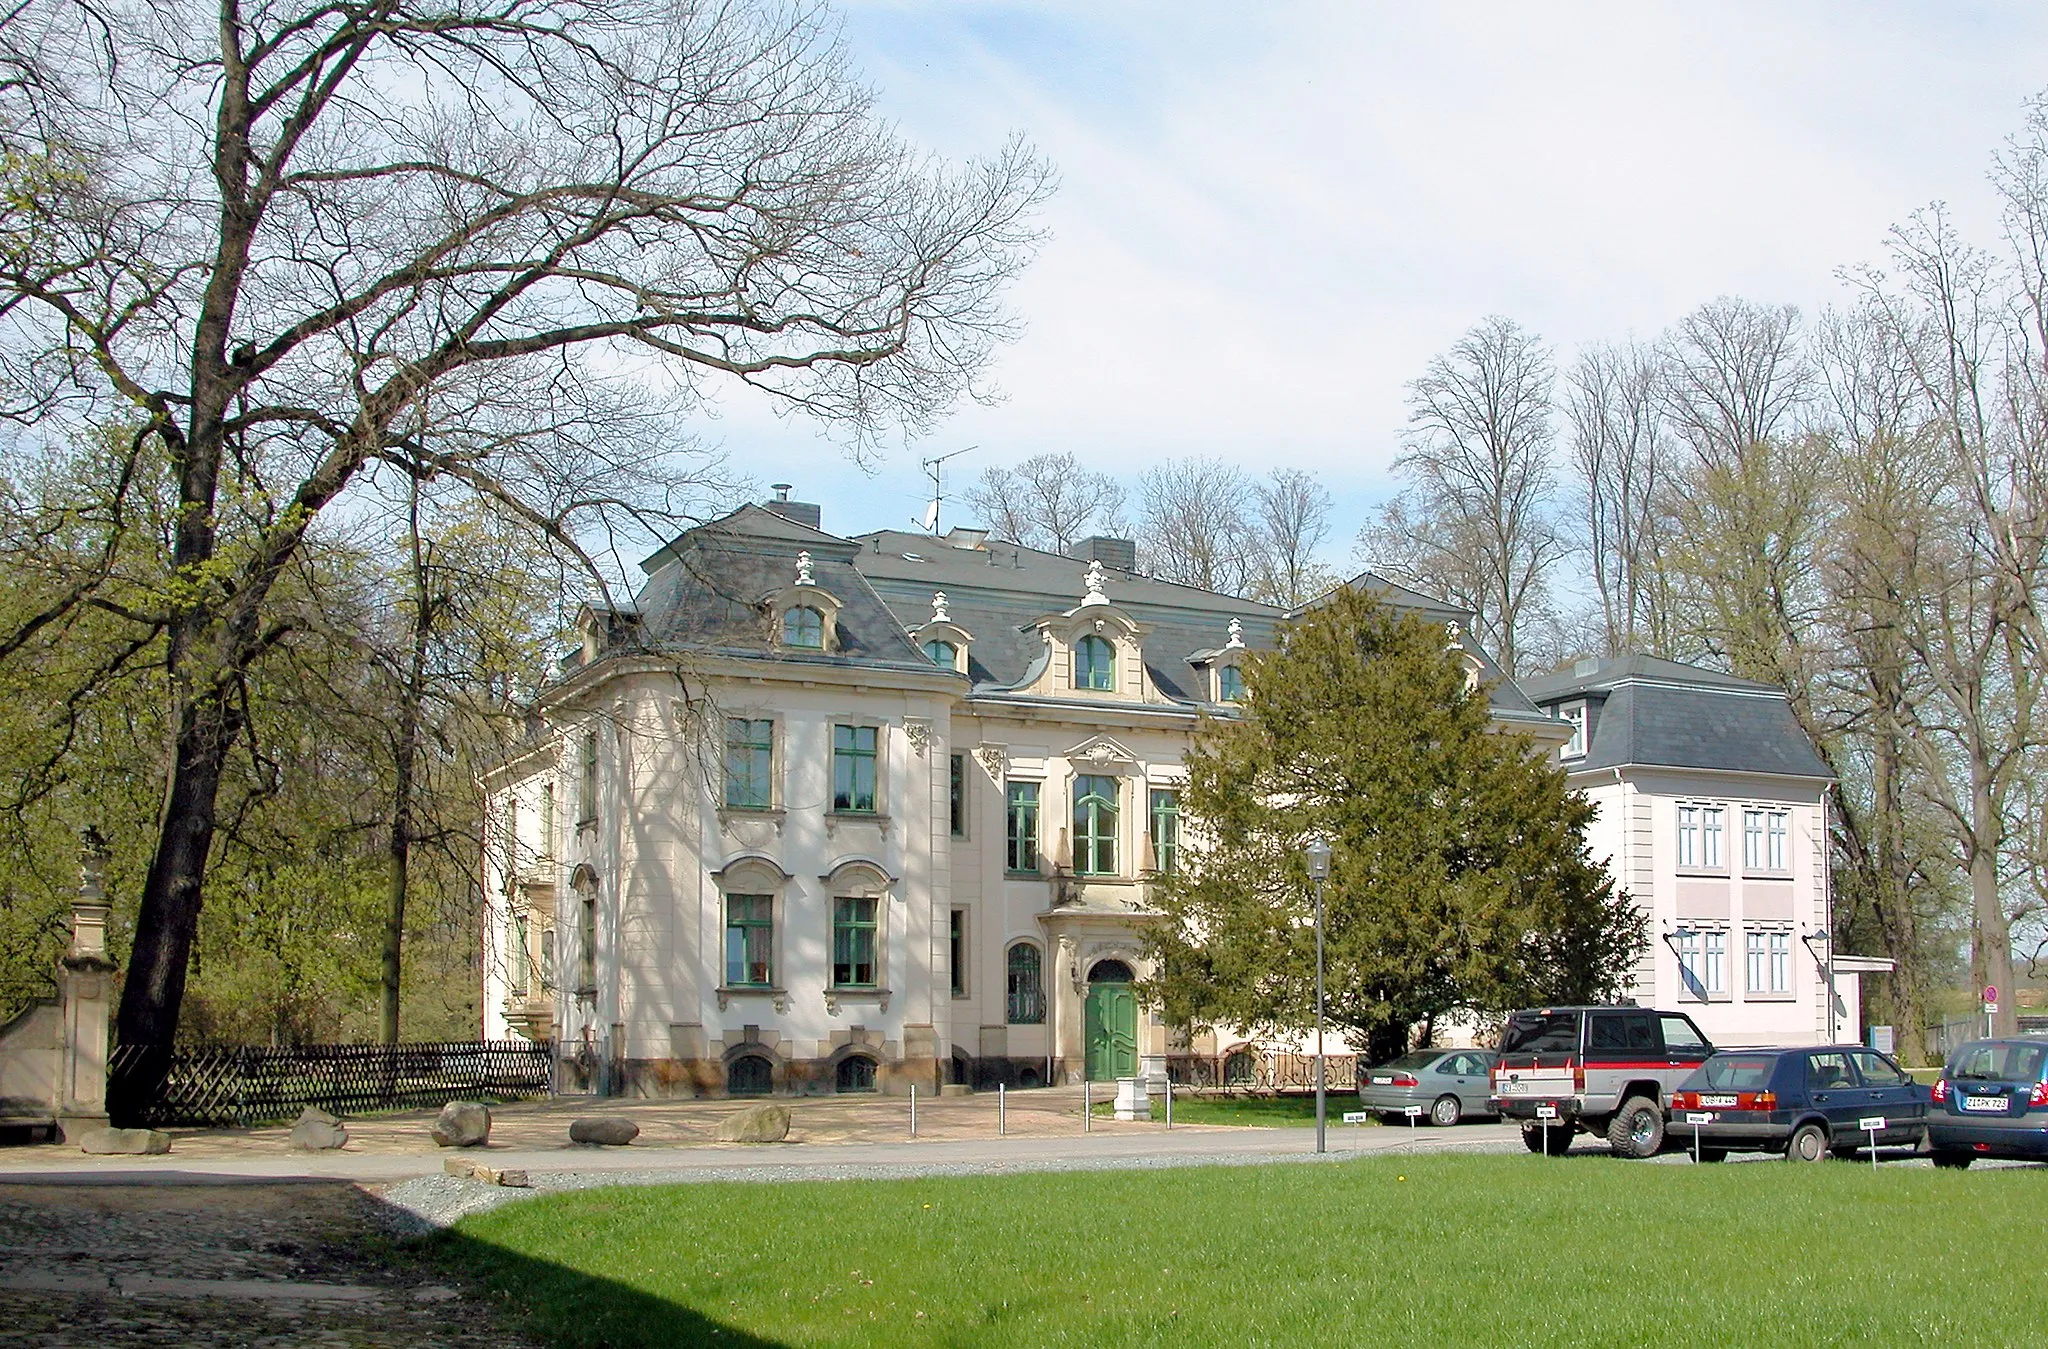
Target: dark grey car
[(1448, 1084)]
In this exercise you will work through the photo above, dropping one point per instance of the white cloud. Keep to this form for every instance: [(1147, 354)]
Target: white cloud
[(1271, 216)]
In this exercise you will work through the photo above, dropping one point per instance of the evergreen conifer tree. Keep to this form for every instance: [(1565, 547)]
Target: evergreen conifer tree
[(1461, 881)]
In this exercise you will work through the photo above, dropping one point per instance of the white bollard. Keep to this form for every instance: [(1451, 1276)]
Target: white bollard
[(1087, 1107), (913, 1110), (1002, 1112)]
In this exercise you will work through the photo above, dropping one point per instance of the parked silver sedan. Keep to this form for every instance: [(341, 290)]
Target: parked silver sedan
[(1448, 1084)]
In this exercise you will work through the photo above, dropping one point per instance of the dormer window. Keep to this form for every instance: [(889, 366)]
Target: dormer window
[(1574, 715), (943, 654), (1094, 664), (805, 627), (1229, 684)]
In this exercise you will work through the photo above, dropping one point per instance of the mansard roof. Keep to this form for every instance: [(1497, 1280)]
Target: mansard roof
[(1649, 712), (705, 590)]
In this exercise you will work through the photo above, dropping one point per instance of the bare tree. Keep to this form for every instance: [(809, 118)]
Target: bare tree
[(1198, 526), (1619, 452), (1292, 522), (1049, 501), (277, 232), (1477, 521)]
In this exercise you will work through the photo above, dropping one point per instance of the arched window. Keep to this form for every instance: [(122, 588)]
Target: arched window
[(943, 654), (803, 626), (749, 1075), (1110, 972), (1026, 985), (1230, 684), (855, 1073), (1095, 801), (1240, 1069), (1094, 664)]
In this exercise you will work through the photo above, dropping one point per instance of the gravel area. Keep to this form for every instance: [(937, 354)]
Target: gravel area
[(429, 1202)]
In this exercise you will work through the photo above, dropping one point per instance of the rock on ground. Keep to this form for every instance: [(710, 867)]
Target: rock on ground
[(314, 1112), (611, 1130), (756, 1124), (124, 1142), (315, 1135), (463, 1124)]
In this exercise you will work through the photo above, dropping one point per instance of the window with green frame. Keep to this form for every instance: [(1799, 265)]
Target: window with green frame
[(1229, 684), (803, 626), (853, 769), (1020, 848), (1165, 827), (749, 763), (1095, 815), (749, 940), (943, 654), (854, 925), (956, 795), (1094, 664)]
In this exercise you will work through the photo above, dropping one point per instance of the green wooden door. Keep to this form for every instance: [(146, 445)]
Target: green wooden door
[(1112, 1032)]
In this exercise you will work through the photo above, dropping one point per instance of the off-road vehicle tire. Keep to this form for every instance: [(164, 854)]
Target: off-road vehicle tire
[(1637, 1129), (1952, 1161), (1809, 1143)]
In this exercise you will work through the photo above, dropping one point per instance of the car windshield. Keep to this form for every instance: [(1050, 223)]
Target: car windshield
[(1998, 1063), (1541, 1033), (1421, 1058), (1732, 1072)]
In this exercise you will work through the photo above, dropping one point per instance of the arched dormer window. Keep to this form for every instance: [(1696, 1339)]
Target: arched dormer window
[(803, 626), (1094, 664), (1229, 684), (943, 654)]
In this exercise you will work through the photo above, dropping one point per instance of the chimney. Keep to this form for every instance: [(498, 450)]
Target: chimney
[(796, 512), (1116, 554)]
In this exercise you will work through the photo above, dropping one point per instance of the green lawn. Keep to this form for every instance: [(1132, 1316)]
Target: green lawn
[(1447, 1249)]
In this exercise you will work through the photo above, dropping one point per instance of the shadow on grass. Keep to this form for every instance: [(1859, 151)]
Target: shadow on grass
[(565, 1308)]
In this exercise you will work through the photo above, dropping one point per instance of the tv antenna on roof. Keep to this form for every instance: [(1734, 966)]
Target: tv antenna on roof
[(933, 469)]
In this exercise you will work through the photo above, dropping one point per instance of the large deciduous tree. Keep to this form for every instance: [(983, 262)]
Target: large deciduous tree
[(1477, 522), (500, 242), (1461, 880)]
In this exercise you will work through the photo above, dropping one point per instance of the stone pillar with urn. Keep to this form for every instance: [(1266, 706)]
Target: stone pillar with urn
[(85, 995)]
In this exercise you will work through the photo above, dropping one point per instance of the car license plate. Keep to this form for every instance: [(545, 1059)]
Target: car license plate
[(1546, 1112), (1383, 1082), (1699, 1117), (1985, 1104), (1723, 1102), (1513, 1088)]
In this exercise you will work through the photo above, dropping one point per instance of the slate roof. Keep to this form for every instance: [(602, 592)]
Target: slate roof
[(1643, 711), (704, 589)]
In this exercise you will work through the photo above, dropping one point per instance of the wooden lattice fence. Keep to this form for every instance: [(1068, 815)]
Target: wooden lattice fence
[(243, 1085)]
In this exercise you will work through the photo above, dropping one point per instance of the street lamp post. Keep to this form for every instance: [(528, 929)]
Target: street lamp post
[(1319, 871)]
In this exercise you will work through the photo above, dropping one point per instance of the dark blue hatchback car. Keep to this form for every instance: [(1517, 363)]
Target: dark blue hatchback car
[(1805, 1103), (1991, 1101)]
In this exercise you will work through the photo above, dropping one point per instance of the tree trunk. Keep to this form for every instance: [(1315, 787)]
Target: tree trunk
[(168, 922), (1991, 948), (411, 698)]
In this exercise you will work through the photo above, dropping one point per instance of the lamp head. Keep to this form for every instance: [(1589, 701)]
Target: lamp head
[(1318, 854)]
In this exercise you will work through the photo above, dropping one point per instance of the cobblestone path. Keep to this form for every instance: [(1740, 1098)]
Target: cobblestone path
[(248, 1266)]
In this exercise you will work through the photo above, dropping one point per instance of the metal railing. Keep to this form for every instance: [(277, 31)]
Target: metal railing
[(247, 1085)]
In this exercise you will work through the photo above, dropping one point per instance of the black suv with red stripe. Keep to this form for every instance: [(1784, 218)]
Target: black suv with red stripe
[(1604, 1070)]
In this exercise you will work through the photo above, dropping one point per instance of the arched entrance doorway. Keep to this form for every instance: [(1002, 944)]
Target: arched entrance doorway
[(1111, 1022)]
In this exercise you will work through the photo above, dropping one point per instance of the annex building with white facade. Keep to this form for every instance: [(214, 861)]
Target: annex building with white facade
[(1713, 815), (818, 813)]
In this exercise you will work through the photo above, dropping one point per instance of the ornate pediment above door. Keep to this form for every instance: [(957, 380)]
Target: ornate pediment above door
[(1102, 754)]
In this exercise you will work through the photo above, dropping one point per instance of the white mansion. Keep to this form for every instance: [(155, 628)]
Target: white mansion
[(822, 814)]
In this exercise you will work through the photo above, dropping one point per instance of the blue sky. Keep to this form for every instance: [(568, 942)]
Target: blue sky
[(1272, 215)]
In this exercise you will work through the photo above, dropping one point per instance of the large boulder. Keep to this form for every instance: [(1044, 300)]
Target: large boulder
[(124, 1142), (755, 1124), (610, 1130), (463, 1124), (318, 1135), (314, 1112)]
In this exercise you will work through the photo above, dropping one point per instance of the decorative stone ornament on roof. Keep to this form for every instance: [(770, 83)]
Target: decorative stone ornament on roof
[(1093, 579), (941, 639), (803, 569)]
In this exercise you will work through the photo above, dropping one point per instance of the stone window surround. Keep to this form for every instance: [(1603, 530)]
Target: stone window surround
[(1044, 971), (1038, 842), (754, 874), (1683, 868), (1791, 932), (860, 878), (1729, 955), (1739, 811)]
